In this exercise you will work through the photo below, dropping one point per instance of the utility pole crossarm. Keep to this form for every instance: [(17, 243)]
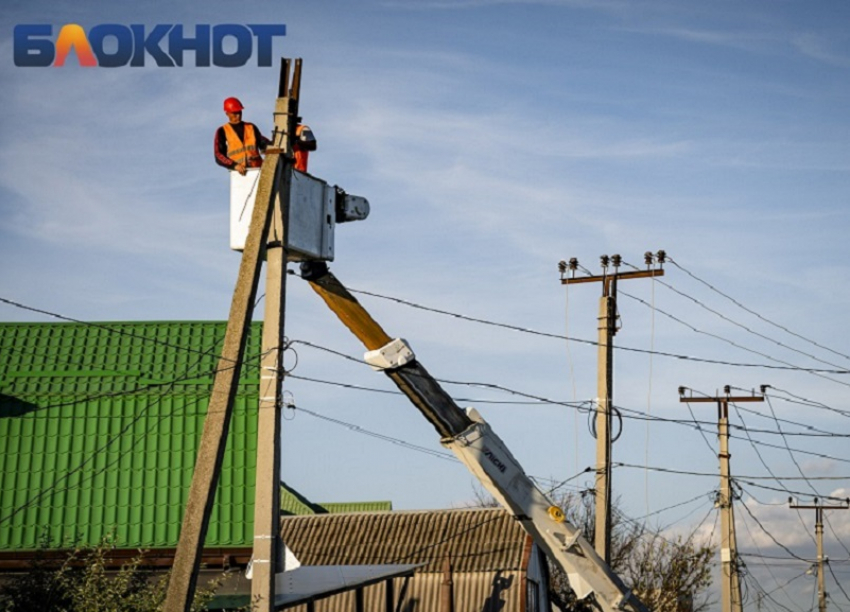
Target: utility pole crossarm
[(732, 399), (620, 276)]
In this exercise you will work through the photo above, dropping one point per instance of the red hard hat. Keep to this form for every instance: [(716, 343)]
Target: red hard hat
[(232, 105)]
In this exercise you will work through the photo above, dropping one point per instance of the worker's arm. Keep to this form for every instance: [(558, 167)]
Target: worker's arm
[(262, 141), (220, 150)]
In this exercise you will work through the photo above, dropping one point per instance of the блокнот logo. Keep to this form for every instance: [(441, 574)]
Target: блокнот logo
[(112, 45)]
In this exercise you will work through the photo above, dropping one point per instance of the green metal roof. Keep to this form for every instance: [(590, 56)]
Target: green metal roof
[(100, 425), (292, 503)]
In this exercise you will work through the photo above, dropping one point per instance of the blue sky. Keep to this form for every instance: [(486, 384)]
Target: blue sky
[(493, 139)]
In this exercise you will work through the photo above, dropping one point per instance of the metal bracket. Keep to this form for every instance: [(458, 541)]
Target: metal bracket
[(390, 356)]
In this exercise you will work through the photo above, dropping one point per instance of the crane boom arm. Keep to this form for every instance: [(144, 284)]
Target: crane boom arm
[(480, 449)]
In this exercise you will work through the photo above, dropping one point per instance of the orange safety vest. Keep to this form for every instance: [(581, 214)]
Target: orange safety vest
[(243, 152)]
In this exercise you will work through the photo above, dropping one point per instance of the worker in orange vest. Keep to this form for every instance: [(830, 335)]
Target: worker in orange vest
[(302, 144), (238, 143)]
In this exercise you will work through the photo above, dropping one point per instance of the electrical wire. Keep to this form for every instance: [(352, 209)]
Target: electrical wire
[(53, 487), (767, 356), (699, 428), (582, 406), (758, 548), (649, 392), (837, 582), (102, 326), (357, 429), (770, 535), (715, 475), (752, 312), (769, 594), (592, 342), (768, 468), (571, 370), (744, 327), (807, 402)]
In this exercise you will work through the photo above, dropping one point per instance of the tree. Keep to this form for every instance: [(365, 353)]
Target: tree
[(667, 575), (81, 583)]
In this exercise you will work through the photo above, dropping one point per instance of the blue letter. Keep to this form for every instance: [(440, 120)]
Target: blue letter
[(122, 35), (243, 45), (265, 33), (177, 44), (33, 53), (150, 43)]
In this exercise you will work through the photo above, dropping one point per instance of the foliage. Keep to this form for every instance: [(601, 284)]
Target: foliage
[(81, 582), (667, 575)]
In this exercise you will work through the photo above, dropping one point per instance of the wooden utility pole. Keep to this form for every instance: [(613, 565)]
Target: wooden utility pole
[(730, 584), (607, 329), (822, 561), (264, 237)]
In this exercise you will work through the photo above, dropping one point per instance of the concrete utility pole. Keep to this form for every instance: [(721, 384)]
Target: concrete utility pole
[(730, 584), (269, 238), (268, 550), (605, 378), (819, 508)]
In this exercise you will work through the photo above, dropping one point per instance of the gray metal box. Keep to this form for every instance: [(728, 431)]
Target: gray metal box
[(311, 215)]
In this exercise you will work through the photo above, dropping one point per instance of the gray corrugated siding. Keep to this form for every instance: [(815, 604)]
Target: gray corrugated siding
[(479, 592)]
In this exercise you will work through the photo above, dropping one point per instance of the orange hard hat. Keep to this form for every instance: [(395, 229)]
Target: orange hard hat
[(233, 105)]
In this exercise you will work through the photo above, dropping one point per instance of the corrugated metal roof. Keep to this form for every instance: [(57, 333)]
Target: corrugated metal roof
[(476, 540), (100, 426)]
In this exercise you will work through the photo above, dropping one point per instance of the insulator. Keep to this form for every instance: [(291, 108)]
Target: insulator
[(662, 256), (562, 266), (648, 258), (604, 260), (616, 260), (573, 264)]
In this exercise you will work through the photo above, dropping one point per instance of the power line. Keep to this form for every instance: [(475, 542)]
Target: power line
[(770, 535), (357, 429), (735, 344), (714, 474), (838, 583), (807, 402), (755, 543), (102, 326), (591, 342), (67, 475), (751, 483), (581, 406), (742, 326), (752, 312)]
